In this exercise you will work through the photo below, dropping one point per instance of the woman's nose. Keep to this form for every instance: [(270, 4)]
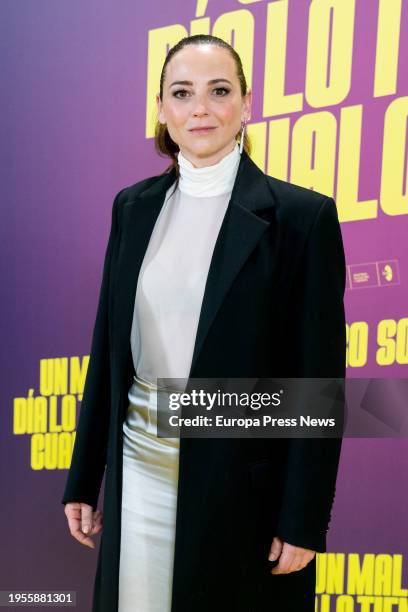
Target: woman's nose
[(199, 110), (200, 107)]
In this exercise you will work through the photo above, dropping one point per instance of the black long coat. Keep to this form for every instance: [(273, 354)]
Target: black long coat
[(273, 306)]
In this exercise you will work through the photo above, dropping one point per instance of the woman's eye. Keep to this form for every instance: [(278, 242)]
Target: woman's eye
[(184, 91), (179, 91), (222, 89)]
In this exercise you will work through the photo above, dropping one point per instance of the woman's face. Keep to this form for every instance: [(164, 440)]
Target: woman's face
[(198, 102)]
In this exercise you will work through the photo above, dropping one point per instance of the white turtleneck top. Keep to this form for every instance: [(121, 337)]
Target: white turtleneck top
[(174, 270)]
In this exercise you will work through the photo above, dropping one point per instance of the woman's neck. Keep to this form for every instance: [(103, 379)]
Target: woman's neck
[(209, 180)]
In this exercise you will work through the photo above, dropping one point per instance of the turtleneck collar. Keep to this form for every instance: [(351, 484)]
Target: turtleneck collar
[(209, 180)]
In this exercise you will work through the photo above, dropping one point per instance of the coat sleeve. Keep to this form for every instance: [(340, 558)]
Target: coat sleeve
[(90, 448), (312, 465)]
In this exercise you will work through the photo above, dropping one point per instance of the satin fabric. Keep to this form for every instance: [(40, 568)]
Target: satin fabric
[(149, 496)]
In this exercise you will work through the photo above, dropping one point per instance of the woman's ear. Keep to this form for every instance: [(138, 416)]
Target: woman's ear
[(247, 106), (160, 113)]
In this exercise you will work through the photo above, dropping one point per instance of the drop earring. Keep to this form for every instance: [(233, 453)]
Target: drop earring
[(241, 142)]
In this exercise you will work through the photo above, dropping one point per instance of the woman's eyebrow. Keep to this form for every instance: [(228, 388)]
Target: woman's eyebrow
[(211, 82)]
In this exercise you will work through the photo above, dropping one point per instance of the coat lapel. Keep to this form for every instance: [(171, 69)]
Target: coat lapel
[(240, 232)]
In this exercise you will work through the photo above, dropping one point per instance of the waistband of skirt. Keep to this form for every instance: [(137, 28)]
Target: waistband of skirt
[(151, 386)]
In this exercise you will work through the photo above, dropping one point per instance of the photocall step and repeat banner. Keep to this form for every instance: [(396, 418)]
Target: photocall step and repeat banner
[(330, 106)]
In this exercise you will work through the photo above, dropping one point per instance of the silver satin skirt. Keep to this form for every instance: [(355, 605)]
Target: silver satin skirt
[(149, 496)]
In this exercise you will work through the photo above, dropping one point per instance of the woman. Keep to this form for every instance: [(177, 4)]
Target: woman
[(213, 269)]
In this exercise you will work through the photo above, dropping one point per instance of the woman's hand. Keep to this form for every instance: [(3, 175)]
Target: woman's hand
[(83, 522), (292, 558)]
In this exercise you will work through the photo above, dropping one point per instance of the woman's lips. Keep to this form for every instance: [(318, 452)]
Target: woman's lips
[(202, 130)]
